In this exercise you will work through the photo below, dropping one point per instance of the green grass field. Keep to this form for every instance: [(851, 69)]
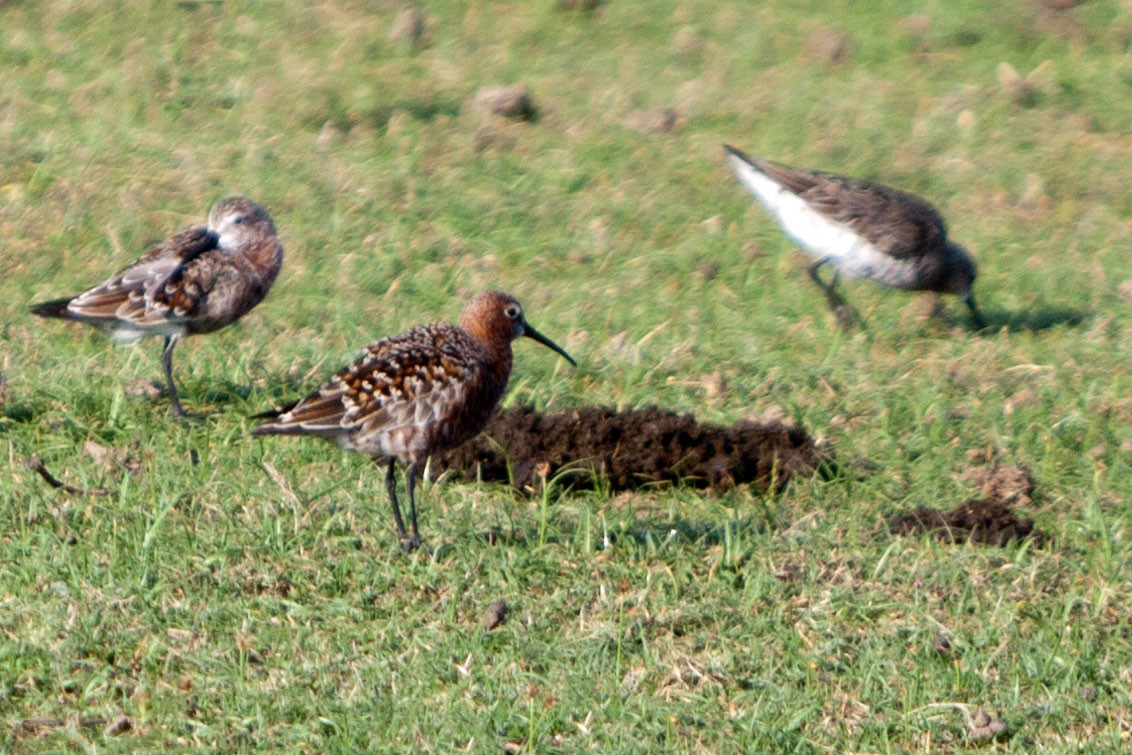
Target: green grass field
[(234, 593)]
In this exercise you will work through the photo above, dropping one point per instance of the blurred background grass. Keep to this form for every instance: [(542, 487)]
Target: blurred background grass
[(220, 606)]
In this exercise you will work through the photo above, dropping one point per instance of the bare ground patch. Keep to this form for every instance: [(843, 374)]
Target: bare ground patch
[(631, 449), (990, 520)]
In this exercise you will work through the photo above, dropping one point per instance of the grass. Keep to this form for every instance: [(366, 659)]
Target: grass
[(234, 593)]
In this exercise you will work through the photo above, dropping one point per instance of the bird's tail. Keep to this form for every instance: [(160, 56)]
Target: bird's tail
[(53, 308), (274, 412)]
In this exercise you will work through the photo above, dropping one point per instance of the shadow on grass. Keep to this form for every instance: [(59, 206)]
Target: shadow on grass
[(423, 111), (642, 533), (243, 396), (344, 115), (18, 412), (1033, 320)]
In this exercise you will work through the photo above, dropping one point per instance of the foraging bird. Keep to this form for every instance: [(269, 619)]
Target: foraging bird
[(863, 230), (197, 281), (409, 395)]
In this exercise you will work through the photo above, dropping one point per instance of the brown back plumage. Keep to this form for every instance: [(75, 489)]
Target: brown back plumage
[(899, 224), (431, 387), (197, 281)]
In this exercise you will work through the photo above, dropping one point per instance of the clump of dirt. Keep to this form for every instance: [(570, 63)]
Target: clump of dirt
[(980, 520), (631, 449), (983, 726), (990, 520), (1013, 486)]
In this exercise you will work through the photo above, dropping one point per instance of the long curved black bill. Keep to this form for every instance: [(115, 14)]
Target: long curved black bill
[(530, 332)]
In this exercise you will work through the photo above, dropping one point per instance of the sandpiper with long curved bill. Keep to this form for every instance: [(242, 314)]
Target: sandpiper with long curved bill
[(862, 230), (409, 395)]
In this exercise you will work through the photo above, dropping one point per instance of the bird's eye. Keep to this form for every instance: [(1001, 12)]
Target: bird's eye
[(513, 312)]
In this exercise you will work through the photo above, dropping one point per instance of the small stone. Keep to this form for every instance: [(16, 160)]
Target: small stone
[(1034, 197), (658, 121), (942, 645), (409, 26), (120, 725), (714, 385), (1019, 400), (687, 41), (828, 45), (713, 225), (142, 388), (327, 136), (918, 25), (1029, 90), (508, 100), (495, 615), (985, 726), (1007, 75)]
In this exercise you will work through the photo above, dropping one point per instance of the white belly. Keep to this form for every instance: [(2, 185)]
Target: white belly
[(822, 238)]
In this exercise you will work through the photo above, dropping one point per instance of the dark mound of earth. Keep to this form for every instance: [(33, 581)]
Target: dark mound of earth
[(982, 520), (630, 449)]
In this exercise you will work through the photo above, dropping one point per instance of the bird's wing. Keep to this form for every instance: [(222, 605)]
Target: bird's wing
[(396, 382), (165, 284), (897, 223)]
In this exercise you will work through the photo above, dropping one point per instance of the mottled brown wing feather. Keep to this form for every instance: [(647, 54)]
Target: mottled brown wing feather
[(126, 295), (182, 295), (388, 384), (182, 246)]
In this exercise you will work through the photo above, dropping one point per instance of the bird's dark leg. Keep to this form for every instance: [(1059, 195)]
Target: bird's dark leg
[(976, 316), (391, 491), (844, 313), (167, 364), (414, 540)]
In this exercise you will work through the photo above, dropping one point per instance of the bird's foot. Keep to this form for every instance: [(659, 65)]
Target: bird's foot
[(178, 413), (847, 317), (410, 544)]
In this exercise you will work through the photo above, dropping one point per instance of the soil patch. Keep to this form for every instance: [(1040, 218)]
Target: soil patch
[(990, 520), (631, 449), (981, 520)]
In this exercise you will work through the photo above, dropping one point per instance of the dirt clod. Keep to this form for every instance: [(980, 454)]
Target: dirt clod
[(985, 726), (982, 520), (408, 26), (120, 725), (510, 101), (943, 646), (828, 45), (145, 388), (655, 121), (1013, 486), (495, 615), (630, 449)]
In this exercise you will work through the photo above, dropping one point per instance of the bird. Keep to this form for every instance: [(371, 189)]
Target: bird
[(407, 396), (863, 230), (196, 281)]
